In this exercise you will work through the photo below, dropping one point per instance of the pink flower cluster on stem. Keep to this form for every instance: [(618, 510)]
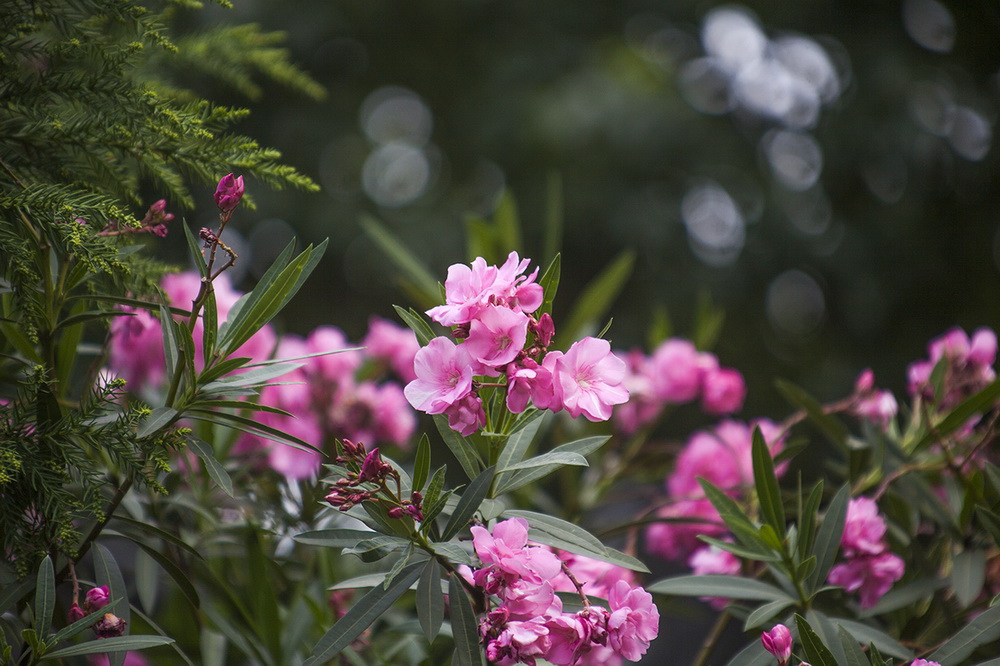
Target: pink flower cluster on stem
[(869, 569), (968, 366), (529, 623), (494, 314)]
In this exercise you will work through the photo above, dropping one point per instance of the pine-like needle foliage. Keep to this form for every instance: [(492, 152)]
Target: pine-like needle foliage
[(88, 121)]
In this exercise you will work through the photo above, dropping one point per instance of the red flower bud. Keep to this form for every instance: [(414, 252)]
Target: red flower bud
[(229, 192)]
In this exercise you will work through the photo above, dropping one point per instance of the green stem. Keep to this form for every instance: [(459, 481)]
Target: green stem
[(713, 637)]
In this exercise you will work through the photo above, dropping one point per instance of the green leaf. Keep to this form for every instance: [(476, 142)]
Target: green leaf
[(463, 449), (422, 463), (807, 519), (977, 403), (854, 655), (816, 653), (333, 538), (829, 535), (517, 444), (180, 577), (117, 643), (413, 269), (376, 547), (984, 629), (11, 594), (255, 377), (430, 600), (764, 614), (581, 447), (550, 284), (417, 324), (766, 484), (45, 596), (968, 575), (717, 585), (250, 426), (833, 429), (827, 633), (558, 533), (596, 298), (214, 468), (80, 625), (471, 499), (159, 418), (463, 626), (905, 595), (194, 247), (169, 340), (367, 609), (740, 551), (735, 519), (106, 572), (432, 498), (866, 632), (552, 460), (210, 320)]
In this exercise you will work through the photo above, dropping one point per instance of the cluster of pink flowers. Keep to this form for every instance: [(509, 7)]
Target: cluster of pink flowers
[(529, 623), (677, 373), (869, 569), (350, 394), (871, 404), (492, 311), (109, 625), (721, 456), (968, 366)]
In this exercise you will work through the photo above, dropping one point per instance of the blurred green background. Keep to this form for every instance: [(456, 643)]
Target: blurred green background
[(824, 170)]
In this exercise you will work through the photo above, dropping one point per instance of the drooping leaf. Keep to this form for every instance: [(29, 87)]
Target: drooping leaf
[(116, 643), (463, 449), (523, 477), (430, 600), (160, 417), (467, 505), (718, 585), (817, 653), (983, 630), (333, 538), (364, 612), (45, 595), (214, 468), (558, 533), (464, 627)]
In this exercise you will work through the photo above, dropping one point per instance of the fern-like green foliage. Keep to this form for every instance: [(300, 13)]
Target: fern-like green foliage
[(89, 120)]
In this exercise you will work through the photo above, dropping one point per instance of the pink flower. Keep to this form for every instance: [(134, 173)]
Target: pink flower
[(864, 528), (97, 597), (444, 376), (496, 336), (723, 391), (520, 642), (392, 344), (229, 192), (135, 349), (569, 639), (642, 407), (75, 613), (778, 642), (467, 415), (714, 560), (597, 577), (469, 289), (508, 558), (524, 600), (676, 371), (968, 365), (924, 662), (634, 620), (871, 576), (588, 379), (673, 540), (334, 368)]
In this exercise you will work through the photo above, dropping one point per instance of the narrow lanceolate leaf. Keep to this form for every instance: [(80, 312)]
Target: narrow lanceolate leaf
[(974, 404), (763, 615), (117, 643), (333, 538), (766, 484), (904, 595), (550, 284), (361, 616), (829, 535), (735, 519), (160, 417), (523, 477), (215, 469), (45, 596), (981, 631), (867, 633), (853, 654), (552, 459), (195, 248), (461, 447), (422, 463), (463, 626), (517, 444), (968, 575), (558, 533), (816, 653), (430, 600), (210, 319), (417, 324), (717, 585), (831, 427), (807, 519), (106, 572), (169, 340), (753, 654), (471, 499)]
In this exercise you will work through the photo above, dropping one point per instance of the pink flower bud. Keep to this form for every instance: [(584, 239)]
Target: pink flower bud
[(395, 512), (778, 642), (229, 192), (373, 467), (75, 613), (97, 597)]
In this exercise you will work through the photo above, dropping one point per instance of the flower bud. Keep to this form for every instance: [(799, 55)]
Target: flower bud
[(778, 642), (395, 512), (110, 626), (229, 192), (75, 613), (97, 597)]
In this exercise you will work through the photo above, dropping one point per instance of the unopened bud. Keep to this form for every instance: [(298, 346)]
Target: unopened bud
[(75, 613), (229, 192), (97, 597)]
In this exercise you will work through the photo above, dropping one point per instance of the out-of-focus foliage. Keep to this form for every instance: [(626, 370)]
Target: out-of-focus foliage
[(854, 230)]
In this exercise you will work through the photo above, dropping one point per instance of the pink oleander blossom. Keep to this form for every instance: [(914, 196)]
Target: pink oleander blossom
[(394, 345), (870, 576), (520, 642), (778, 642), (469, 289), (723, 391), (714, 560), (864, 528), (969, 365), (675, 540), (569, 639), (676, 371), (587, 380), (924, 662), (496, 336), (642, 407), (467, 415), (524, 600), (507, 557), (444, 376), (633, 622), (597, 577), (334, 368)]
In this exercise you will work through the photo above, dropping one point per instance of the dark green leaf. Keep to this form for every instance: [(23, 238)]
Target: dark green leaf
[(367, 609), (11, 594), (740, 551), (417, 324), (467, 505), (968, 574), (464, 628), (117, 643), (422, 463), (215, 469), (461, 447), (736, 520), (833, 429), (752, 655), (581, 447), (763, 615), (517, 445), (984, 629), (867, 632), (430, 600), (180, 577), (854, 655), (169, 340), (715, 585), (106, 572), (210, 320), (333, 538), (905, 595), (766, 484), (829, 535), (551, 461), (807, 519), (550, 284), (45, 596), (194, 247), (827, 633), (558, 533), (159, 418), (816, 652), (975, 404)]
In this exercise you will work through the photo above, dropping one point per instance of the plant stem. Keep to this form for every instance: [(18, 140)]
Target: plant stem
[(713, 637)]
